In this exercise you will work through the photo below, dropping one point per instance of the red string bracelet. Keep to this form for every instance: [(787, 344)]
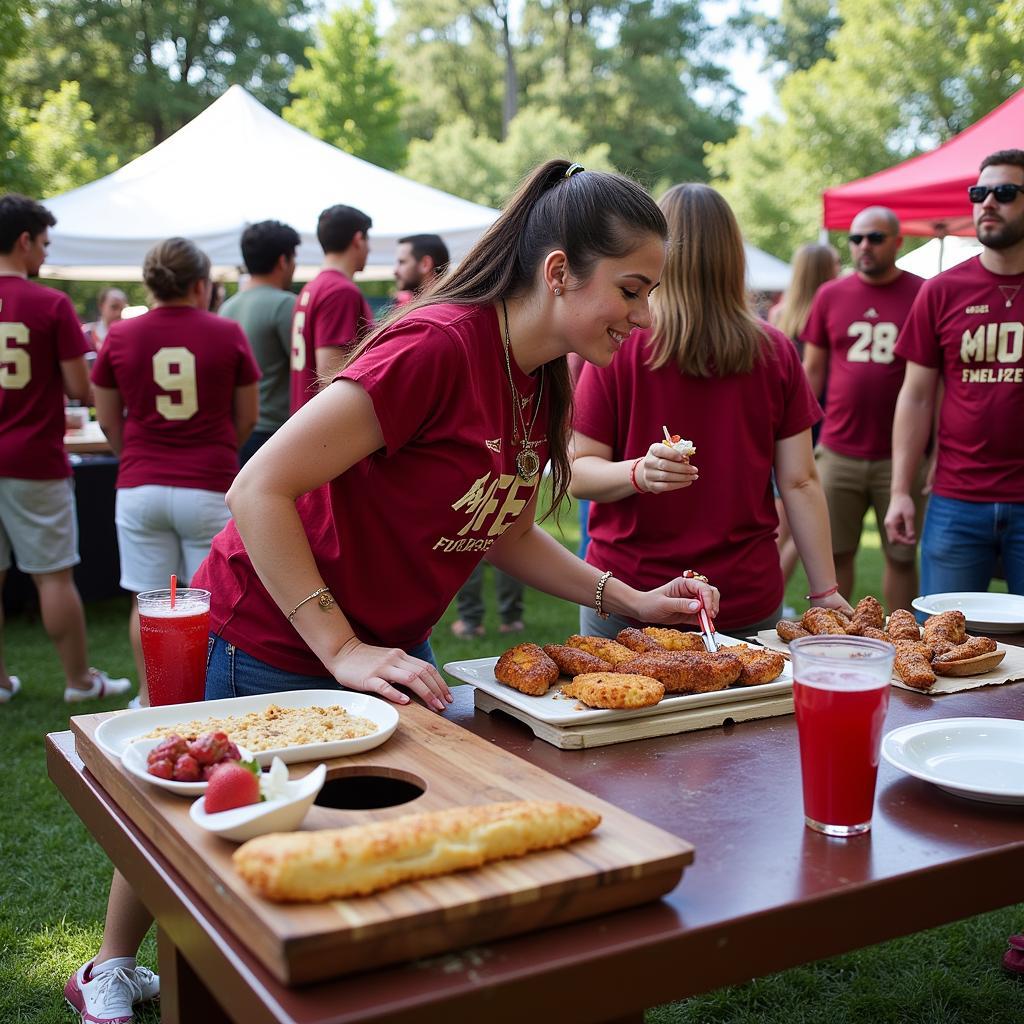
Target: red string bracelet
[(834, 589), (632, 476)]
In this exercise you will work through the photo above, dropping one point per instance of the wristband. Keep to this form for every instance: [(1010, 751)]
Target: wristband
[(632, 476), (834, 589)]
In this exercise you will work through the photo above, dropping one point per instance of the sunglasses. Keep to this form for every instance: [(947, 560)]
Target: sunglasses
[(874, 237), (1004, 193)]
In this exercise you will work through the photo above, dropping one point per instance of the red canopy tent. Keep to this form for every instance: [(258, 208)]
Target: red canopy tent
[(929, 192)]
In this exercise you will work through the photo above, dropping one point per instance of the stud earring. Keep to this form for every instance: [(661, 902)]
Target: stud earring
[(558, 291)]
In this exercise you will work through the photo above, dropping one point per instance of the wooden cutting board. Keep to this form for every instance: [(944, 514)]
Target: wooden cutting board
[(624, 862)]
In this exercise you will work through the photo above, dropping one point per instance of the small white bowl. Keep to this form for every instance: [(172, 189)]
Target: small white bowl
[(134, 760), (283, 814)]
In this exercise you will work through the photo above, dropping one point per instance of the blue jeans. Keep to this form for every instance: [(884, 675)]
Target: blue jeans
[(963, 540), (230, 672)]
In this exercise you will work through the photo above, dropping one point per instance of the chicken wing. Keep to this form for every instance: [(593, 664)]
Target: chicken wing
[(760, 666), (972, 647), (526, 668), (950, 626), (903, 626), (822, 621), (789, 630), (869, 612), (912, 664)]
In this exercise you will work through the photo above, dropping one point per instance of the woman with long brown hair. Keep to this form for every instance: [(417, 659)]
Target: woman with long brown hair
[(356, 524), (711, 371), (813, 265)]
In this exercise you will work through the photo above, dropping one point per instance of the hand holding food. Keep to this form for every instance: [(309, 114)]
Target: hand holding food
[(666, 467), (677, 601)]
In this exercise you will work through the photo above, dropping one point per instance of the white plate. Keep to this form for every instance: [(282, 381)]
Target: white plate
[(134, 760), (979, 758), (284, 814), (988, 613), (555, 709), (116, 733)]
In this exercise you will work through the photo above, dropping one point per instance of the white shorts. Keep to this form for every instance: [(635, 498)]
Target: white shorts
[(163, 530), (38, 520)]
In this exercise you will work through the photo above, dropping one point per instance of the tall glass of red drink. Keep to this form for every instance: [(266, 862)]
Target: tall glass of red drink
[(840, 692), (174, 644)]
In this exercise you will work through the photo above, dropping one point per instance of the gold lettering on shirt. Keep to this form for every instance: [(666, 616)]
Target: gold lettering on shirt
[(504, 497), (993, 343)]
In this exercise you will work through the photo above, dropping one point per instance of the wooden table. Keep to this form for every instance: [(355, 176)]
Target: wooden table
[(764, 893), (90, 440)]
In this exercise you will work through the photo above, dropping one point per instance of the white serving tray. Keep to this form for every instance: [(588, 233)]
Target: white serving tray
[(115, 734), (554, 709)]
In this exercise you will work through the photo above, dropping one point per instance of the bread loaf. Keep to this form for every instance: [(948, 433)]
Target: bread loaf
[(357, 861)]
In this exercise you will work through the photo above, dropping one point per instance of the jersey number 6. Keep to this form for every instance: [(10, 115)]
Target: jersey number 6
[(174, 369)]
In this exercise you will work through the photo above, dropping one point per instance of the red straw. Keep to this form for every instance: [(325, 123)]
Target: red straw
[(174, 587)]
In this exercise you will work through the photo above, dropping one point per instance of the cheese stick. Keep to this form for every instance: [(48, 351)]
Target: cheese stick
[(357, 861)]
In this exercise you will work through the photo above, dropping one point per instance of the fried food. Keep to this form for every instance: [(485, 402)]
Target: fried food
[(526, 668), (675, 639), (789, 630), (872, 633), (637, 640), (615, 690), (571, 661), (363, 859), (903, 626), (950, 626), (913, 668), (869, 612), (824, 621), (686, 671), (913, 647), (760, 666), (973, 647), (601, 647)]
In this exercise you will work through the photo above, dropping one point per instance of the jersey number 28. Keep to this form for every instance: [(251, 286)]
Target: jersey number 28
[(874, 342)]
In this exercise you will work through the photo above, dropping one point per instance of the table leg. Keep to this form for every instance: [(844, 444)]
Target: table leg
[(184, 999)]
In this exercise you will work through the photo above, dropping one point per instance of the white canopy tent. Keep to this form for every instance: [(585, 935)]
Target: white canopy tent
[(234, 164), (766, 273), (939, 254)]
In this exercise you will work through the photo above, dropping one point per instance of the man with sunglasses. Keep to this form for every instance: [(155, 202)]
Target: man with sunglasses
[(967, 331), (850, 339)]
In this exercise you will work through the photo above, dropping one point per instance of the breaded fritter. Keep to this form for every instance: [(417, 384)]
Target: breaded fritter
[(869, 612), (789, 630), (675, 639), (950, 626), (972, 647), (601, 647), (637, 640), (824, 621), (903, 626), (526, 668), (760, 666), (871, 633), (688, 671), (615, 690), (571, 661), (913, 668)]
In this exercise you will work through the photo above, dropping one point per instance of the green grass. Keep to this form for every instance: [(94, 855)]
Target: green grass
[(53, 886)]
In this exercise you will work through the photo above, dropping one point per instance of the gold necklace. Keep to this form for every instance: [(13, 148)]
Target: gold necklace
[(527, 460)]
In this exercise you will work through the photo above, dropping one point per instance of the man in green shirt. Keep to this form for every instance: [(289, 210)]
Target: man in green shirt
[(264, 309)]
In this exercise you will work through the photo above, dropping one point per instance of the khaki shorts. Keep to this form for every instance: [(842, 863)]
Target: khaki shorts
[(851, 486), (37, 520)]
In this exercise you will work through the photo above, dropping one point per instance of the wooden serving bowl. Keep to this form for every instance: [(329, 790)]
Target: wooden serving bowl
[(969, 666)]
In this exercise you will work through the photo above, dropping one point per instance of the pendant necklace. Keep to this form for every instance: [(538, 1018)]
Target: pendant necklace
[(527, 460), (1009, 293)]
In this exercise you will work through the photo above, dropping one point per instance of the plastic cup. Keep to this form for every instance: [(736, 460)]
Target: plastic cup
[(174, 644), (840, 693)]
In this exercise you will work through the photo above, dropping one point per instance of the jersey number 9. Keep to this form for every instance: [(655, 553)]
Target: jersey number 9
[(15, 365), (174, 369)]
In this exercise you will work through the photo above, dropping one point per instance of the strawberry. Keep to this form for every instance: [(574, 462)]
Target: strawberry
[(186, 769), (233, 784), (209, 748), (162, 768)]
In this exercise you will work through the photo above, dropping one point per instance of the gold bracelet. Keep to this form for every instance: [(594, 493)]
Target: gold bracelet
[(326, 600), (599, 595)]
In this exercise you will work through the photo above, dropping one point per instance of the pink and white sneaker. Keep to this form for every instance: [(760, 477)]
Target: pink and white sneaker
[(106, 995)]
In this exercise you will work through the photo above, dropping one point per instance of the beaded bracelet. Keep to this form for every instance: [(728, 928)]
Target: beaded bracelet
[(632, 476), (834, 589), (599, 595)]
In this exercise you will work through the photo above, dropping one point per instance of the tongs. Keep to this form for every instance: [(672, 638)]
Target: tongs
[(707, 627)]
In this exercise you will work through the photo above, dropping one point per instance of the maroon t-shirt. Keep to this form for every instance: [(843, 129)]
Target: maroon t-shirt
[(38, 330), (331, 312), (968, 323), (859, 324), (725, 524), (398, 534), (177, 369)]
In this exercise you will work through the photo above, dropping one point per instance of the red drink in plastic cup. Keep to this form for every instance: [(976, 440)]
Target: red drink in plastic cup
[(840, 697), (174, 644)]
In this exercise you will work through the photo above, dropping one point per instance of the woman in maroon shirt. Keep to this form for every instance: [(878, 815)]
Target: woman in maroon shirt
[(733, 385)]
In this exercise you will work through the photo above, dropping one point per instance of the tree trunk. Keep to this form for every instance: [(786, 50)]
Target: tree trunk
[(511, 105)]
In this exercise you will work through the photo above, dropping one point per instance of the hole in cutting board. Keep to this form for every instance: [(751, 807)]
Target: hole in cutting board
[(365, 789)]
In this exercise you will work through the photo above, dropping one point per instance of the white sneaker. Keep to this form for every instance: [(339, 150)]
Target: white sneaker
[(147, 984), (102, 686), (103, 997), (8, 695), (135, 703)]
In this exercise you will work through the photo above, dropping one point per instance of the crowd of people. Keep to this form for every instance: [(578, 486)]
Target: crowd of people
[(383, 463)]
